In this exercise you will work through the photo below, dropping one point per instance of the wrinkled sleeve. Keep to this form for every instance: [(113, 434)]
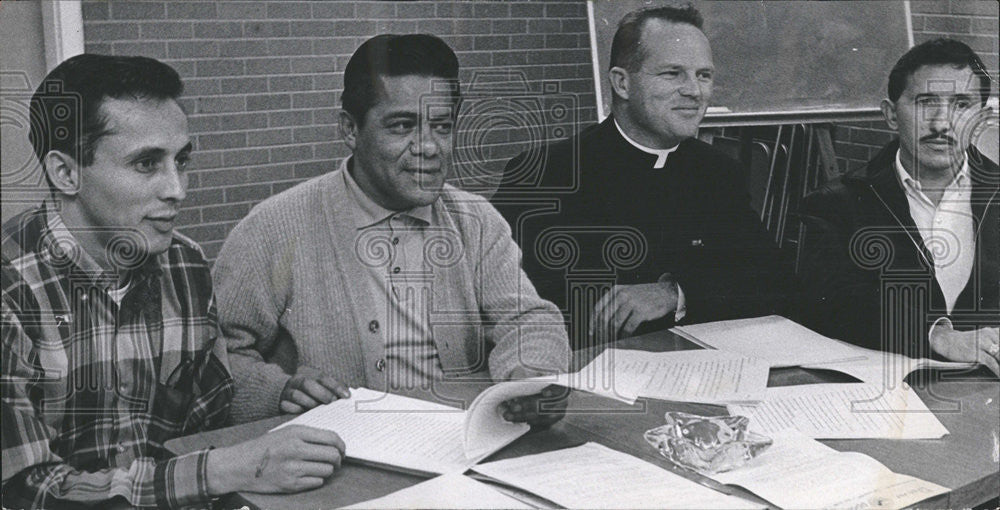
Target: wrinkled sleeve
[(526, 330), (34, 476)]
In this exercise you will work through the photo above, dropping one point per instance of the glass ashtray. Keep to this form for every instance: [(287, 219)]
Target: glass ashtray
[(707, 444)]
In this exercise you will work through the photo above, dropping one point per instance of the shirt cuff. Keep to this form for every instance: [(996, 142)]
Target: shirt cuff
[(183, 481), (942, 322), (681, 309), (681, 304)]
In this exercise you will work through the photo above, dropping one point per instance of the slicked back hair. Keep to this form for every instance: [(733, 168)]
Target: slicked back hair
[(395, 55), (65, 109), (938, 52), (626, 50)]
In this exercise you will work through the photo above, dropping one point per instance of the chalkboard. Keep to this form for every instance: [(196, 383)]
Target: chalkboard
[(782, 61)]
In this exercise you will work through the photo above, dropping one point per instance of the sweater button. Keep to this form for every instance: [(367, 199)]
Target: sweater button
[(373, 326), (380, 364)]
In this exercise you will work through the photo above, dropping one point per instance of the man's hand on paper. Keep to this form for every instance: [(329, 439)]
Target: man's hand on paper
[(541, 410), (625, 307), (304, 392), (290, 459), (980, 345)]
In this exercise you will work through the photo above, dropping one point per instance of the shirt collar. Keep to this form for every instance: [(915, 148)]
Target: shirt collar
[(368, 212), (661, 154), (911, 185), (65, 250)]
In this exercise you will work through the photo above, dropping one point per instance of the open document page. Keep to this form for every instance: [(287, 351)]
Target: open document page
[(843, 411), (886, 368), (775, 339), (799, 472), (594, 476), (415, 435), (446, 491), (700, 375)]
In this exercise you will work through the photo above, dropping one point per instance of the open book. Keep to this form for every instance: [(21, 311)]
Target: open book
[(416, 436)]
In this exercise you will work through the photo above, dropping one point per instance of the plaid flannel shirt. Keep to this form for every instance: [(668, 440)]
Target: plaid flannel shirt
[(91, 389)]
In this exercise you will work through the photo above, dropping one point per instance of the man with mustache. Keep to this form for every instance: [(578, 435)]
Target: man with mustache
[(903, 256), (110, 340), (379, 274), (641, 175)]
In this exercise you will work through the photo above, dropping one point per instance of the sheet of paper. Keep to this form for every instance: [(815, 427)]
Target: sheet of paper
[(799, 472), (485, 429), (394, 430), (601, 377), (701, 375), (594, 476), (777, 340), (887, 368), (446, 491), (843, 411)]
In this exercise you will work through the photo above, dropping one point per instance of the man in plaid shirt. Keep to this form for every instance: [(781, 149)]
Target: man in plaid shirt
[(110, 339)]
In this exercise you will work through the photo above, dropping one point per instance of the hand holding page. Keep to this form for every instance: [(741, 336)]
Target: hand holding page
[(775, 339), (798, 472), (415, 435), (594, 476), (843, 411), (446, 491), (484, 426)]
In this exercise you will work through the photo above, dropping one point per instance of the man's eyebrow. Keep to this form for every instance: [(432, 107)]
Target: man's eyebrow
[(154, 152), (400, 114), (145, 153)]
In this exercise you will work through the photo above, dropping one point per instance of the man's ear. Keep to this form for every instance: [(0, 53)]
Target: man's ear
[(63, 172), (348, 129), (619, 79), (889, 113)]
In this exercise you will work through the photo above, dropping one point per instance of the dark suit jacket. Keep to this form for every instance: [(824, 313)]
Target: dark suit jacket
[(593, 205), (868, 277)]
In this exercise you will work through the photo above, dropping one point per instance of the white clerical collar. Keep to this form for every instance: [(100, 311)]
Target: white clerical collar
[(661, 154)]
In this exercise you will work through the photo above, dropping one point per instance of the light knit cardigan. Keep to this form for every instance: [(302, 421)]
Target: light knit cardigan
[(287, 302)]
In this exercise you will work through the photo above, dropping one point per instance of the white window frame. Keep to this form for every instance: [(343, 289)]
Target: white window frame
[(62, 21)]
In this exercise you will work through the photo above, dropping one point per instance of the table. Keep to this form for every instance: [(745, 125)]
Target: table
[(966, 461)]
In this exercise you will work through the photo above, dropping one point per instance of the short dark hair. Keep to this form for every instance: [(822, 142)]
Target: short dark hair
[(938, 52), (626, 52), (394, 55), (65, 108)]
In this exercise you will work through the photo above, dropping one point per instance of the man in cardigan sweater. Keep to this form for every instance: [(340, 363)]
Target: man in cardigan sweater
[(379, 274)]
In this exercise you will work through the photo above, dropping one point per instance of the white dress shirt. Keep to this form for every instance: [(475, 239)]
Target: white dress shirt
[(947, 230)]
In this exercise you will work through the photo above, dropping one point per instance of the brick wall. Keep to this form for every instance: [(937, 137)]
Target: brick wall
[(263, 83), (973, 22)]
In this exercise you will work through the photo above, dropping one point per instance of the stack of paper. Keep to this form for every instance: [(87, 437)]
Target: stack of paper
[(798, 472), (843, 411), (418, 436), (775, 339), (446, 491), (706, 376), (594, 476)]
